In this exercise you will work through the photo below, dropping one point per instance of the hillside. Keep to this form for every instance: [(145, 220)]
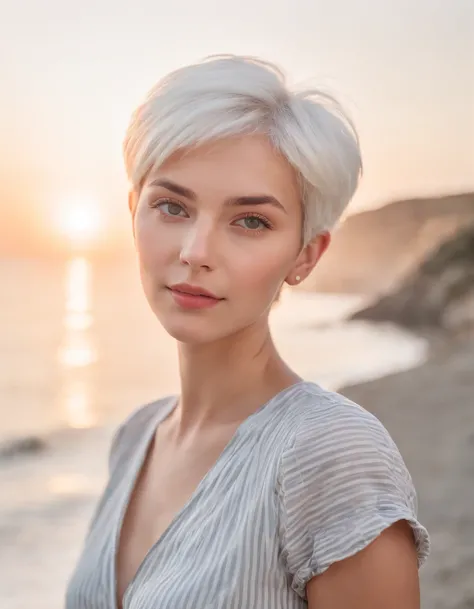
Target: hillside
[(439, 294), (372, 251)]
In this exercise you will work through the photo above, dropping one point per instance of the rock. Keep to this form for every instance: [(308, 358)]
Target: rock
[(22, 446), (439, 294)]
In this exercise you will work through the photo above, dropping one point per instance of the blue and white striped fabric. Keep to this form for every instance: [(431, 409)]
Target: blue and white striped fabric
[(307, 480)]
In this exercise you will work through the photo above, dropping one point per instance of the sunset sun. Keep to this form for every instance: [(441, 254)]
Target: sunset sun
[(78, 220)]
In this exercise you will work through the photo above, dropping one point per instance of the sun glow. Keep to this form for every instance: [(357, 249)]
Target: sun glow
[(78, 219)]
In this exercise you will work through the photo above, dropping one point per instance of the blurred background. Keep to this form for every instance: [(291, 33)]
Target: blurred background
[(386, 318)]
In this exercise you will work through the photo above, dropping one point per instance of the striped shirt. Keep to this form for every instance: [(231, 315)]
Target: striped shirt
[(309, 479)]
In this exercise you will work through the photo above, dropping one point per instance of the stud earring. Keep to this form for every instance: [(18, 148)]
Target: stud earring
[(298, 278)]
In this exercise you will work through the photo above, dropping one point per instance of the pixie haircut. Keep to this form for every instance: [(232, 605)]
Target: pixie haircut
[(229, 96)]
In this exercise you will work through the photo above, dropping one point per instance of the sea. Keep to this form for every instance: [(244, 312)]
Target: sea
[(80, 348)]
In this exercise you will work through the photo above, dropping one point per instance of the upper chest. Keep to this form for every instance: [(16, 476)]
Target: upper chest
[(168, 478), (168, 520)]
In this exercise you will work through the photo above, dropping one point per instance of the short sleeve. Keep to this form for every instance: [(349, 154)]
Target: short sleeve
[(342, 482)]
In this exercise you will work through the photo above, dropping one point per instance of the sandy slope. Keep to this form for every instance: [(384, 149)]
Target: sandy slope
[(430, 413)]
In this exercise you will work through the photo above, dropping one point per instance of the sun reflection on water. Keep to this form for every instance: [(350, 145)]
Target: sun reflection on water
[(77, 405), (78, 294), (77, 353)]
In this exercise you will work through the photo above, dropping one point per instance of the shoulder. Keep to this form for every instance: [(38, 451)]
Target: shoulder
[(131, 430), (339, 444), (342, 481), (330, 425)]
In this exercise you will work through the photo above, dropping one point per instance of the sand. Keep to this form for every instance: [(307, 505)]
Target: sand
[(428, 410), (40, 539)]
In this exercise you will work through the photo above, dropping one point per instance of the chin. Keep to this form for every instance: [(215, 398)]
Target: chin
[(192, 331)]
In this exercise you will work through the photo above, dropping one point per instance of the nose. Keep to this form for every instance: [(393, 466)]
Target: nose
[(197, 249)]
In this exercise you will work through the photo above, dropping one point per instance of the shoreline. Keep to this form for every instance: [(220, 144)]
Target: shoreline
[(428, 409), (311, 333), (33, 445)]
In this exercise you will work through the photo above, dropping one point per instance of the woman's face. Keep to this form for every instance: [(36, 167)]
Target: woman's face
[(226, 220)]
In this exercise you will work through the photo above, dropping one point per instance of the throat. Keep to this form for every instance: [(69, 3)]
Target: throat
[(228, 401), (225, 382)]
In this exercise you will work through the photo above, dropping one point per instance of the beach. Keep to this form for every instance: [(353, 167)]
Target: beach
[(50, 485), (47, 501), (428, 411)]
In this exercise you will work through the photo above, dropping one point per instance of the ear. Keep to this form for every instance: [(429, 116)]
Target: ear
[(308, 258)]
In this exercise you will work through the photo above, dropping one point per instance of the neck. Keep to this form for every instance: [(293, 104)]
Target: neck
[(224, 382)]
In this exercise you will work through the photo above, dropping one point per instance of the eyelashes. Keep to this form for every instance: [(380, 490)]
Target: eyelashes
[(250, 218), (251, 222), (174, 208)]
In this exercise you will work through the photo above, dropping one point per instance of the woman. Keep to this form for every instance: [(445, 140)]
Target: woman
[(252, 489)]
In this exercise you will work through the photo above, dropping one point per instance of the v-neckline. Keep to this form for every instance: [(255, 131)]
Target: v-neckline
[(132, 483), (138, 465)]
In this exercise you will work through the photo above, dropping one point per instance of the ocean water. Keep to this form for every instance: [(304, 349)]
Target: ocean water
[(80, 348)]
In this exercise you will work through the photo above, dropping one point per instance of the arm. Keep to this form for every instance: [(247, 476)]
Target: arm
[(384, 575), (349, 528)]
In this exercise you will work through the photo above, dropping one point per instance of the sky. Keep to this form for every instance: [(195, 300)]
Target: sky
[(72, 72)]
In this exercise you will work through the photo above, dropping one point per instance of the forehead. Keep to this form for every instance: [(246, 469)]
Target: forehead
[(246, 165)]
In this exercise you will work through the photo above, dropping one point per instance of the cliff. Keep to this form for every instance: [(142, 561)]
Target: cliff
[(439, 294), (373, 251)]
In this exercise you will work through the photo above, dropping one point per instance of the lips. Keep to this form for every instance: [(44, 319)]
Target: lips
[(193, 297), (184, 288)]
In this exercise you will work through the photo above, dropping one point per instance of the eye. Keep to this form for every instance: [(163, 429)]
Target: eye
[(171, 208), (253, 223)]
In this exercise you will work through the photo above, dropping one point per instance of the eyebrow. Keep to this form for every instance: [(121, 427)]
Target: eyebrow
[(249, 200)]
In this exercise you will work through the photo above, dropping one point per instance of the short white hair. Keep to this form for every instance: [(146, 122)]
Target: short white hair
[(231, 95)]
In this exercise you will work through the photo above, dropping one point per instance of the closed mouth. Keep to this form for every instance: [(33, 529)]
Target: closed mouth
[(193, 291)]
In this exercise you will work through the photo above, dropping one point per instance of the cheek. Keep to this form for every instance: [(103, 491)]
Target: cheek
[(152, 245), (261, 275)]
